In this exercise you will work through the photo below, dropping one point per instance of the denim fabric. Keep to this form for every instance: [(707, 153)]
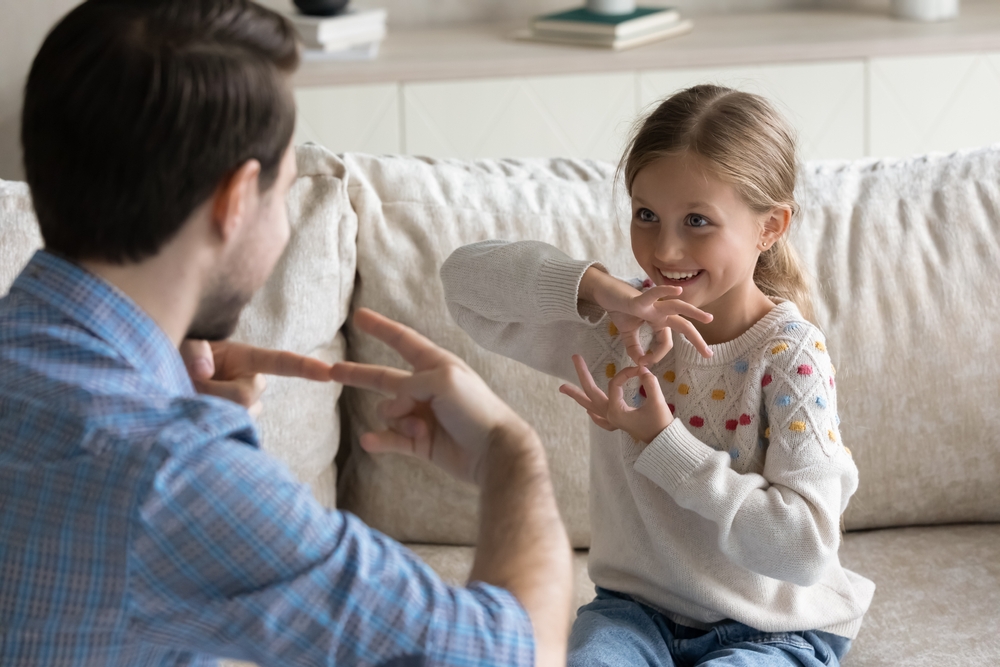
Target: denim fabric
[(616, 631)]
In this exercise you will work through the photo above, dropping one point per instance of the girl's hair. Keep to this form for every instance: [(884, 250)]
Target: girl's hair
[(746, 143)]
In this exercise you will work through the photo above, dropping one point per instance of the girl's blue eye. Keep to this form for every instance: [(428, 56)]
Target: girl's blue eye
[(645, 215), (696, 220)]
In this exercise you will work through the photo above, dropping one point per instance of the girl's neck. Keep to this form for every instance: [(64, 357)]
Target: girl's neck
[(734, 315)]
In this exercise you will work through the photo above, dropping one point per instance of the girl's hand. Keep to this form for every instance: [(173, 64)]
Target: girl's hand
[(658, 306), (610, 411)]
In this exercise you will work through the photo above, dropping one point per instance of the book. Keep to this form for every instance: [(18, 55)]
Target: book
[(606, 41), (316, 31), (582, 21), (365, 51), (353, 39)]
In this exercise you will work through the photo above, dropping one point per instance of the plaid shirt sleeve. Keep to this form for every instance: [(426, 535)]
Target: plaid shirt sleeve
[(233, 557)]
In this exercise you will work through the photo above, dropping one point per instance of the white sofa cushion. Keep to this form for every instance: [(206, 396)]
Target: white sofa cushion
[(301, 308), (412, 213)]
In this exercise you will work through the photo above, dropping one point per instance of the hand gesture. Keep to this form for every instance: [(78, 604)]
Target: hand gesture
[(235, 371), (658, 306), (610, 411), (440, 412)]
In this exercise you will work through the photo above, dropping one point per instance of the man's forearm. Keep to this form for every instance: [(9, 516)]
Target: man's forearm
[(522, 544)]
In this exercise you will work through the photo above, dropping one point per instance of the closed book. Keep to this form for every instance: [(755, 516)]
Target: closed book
[(319, 30), (352, 40), (605, 41), (583, 21)]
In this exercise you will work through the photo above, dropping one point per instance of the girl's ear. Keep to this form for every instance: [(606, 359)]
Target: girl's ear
[(775, 225)]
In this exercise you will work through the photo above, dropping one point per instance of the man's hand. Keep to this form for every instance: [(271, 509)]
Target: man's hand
[(235, 371), (441, 412), (610, 411)]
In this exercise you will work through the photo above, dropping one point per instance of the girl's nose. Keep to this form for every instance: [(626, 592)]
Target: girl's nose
[(669, 248)]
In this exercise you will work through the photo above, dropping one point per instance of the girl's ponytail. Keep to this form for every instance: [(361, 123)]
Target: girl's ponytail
[(779, 274)]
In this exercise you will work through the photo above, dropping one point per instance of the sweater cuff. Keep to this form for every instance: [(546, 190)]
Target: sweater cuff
[(672, 457), (559, 286)]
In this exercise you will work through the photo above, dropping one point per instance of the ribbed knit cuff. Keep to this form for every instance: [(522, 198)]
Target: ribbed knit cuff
[(671, 458), (559, 286)]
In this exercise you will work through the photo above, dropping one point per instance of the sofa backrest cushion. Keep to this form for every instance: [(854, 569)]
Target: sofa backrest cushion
[(900, 252), (301, 308), (412, 213), (905, 255)]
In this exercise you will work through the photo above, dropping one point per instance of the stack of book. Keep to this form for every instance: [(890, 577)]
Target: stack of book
[(613, 31), (354, 34)]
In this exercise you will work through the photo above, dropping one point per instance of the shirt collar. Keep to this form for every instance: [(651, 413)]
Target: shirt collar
[(107, 313)]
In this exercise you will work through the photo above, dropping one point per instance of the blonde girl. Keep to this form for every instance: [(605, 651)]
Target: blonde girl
[(717, 473)]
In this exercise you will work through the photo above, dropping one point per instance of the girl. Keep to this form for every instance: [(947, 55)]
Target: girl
[(718, 478)]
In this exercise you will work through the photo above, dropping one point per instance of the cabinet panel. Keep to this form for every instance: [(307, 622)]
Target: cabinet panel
[(564, 116), (350, 118), (825, 102), (934, 103)]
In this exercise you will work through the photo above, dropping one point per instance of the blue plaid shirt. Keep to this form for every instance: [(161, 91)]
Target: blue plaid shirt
[(140, 524)]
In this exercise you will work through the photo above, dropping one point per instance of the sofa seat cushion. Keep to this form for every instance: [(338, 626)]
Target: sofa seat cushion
[(937, 600)]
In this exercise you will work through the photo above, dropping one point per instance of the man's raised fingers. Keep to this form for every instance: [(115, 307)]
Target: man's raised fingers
[(369, 376), (288, 364), (416, 349)]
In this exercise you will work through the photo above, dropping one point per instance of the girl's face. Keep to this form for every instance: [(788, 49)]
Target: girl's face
[(693, 230)]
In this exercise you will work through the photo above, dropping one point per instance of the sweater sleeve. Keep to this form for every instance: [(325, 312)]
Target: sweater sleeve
[(520, 300), (783, 523)]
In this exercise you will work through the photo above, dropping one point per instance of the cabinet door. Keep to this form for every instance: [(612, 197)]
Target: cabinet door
[(825, 102), (582, 116), (362, 119), (934, 103)]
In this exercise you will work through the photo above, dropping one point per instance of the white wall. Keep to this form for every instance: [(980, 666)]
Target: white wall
[(24, 26)]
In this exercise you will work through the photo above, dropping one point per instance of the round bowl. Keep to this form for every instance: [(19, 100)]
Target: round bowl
[(321, 7)]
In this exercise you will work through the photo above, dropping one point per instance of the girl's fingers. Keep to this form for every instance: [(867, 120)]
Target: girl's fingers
[(663, 342), (602, 422), (632, 345), (672, 307), (577, 395), (654, 294), (651, 385), (590, 387), (691, 333), (616, 390)]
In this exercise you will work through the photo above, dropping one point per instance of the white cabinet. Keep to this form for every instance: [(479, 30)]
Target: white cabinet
[(825, 102), (583, 116), (933, 103), (841, 109), (363, 119)]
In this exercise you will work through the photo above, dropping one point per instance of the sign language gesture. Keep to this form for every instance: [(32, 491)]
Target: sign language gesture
[(658, 306), (611, 412), (235, 371), (441, 412)]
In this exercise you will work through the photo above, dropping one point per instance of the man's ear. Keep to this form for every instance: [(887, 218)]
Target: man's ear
[(235, 198), (775, 225)]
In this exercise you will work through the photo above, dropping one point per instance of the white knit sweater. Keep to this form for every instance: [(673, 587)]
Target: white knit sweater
[(733, 510)]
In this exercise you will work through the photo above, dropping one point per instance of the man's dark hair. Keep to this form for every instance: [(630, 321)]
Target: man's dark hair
[(136, 111)]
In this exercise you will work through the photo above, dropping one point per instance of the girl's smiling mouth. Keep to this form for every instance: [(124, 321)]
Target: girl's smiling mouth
[(679, 277)]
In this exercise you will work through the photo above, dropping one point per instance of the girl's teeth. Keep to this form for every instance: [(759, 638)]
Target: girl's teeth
[(678, 276)]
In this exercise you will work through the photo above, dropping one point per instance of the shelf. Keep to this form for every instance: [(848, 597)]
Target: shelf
[(486, 51)]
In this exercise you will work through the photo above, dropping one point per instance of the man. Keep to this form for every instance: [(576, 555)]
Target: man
[(139, 522)]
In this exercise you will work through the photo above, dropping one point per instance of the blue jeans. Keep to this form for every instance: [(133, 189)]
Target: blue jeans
[(614, 630)]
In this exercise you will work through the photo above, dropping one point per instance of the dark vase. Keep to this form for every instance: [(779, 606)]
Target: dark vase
[(321, 7)]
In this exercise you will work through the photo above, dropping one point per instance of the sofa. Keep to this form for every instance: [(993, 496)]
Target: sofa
[(900, 253)]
